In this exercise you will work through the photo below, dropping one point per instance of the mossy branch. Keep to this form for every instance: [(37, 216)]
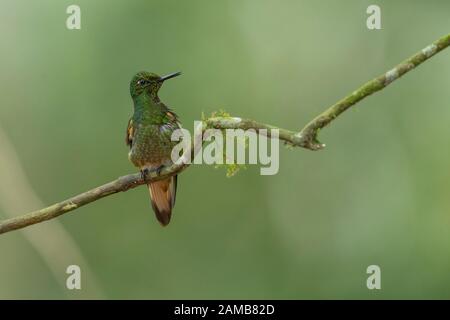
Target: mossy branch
[(121, 184), (306, 138), (309, 132)]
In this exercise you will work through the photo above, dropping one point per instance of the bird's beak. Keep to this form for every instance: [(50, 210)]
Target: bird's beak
[(169, 76)]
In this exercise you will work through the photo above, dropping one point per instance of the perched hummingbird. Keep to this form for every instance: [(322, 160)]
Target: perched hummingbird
[(148, 136)]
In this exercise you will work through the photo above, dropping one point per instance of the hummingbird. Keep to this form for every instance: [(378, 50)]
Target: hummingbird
[(149, 138)]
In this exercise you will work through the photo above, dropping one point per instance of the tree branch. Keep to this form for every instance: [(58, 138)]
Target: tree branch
[(121, 184), (306, 138), (310, 131)]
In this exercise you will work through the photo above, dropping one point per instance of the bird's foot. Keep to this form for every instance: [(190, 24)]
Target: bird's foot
[(145, 172), (158, 169)]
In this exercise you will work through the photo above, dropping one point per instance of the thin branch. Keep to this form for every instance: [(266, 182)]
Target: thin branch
[(121, 184), (309, 132), (306, 138)]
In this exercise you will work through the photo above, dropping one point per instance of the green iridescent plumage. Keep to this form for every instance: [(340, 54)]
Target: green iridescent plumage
[(149, 138)]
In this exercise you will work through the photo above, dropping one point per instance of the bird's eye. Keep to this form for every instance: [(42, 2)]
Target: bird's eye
[(142, 82)]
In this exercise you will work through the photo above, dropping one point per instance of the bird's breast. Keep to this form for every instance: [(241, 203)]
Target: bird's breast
[(151, 146)]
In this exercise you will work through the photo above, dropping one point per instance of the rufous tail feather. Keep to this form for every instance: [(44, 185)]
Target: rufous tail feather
[(163, 194)]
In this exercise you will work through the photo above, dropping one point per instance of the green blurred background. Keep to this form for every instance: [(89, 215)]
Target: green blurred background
[(378, 194)]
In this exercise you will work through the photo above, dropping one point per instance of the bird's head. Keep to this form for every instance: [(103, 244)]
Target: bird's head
[(148, 83)]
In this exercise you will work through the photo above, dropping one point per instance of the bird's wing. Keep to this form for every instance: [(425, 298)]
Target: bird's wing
[(170, 121), (130, 132), (169, 115)]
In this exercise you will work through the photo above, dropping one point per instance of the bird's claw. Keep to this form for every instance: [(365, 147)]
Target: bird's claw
[(158, 170), (146, 171), (144, 174)]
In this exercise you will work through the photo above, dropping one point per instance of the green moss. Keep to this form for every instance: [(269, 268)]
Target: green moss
[(220, 114), (231, 169)]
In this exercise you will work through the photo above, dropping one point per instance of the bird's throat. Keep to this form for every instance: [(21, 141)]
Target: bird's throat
[(148, 110)]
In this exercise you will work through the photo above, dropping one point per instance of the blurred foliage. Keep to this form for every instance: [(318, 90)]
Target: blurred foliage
[(378, 194)]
